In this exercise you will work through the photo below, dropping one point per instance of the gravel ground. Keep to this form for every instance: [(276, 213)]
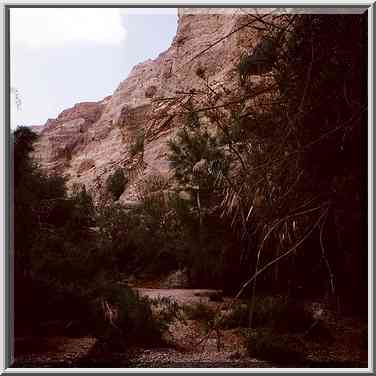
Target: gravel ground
[(181, 296), (166, 358), (188, 345), (51, 352), (185, 336)]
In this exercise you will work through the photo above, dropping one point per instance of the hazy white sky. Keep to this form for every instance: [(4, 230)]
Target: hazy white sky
[(61, 56)]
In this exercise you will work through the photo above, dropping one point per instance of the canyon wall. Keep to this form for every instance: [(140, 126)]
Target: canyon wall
[(87, 142)]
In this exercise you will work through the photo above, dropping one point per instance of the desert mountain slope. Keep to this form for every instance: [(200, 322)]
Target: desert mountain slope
[(89, 141)]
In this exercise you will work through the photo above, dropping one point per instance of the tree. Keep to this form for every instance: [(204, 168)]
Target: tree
[(197, 157), (295, 143), (55, 260)]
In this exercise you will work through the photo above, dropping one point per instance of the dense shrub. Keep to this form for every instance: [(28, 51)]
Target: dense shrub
[(288, 350), (272, 312), (293, 317), (196, 157), (121, 317), (293, 159), (62, 271), (200, 312), (115, 183), (237, 317), (142, 241), (276, 173)]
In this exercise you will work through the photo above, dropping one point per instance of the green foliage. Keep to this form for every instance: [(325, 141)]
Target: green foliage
[(200, 312), (194, 145), (238, 317), (292, 317), (63, 270), (271, 159), (121, 317), (290, 153), (269, 309), (283, 349), (116, 237), (23, 138), (57, 263), (115, 183), (197, 159), (36, 198), (261, 60), (191, 147), (140, 240), (85, 210), (276, 313)]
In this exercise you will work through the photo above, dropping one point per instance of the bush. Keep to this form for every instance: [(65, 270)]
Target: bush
[(238, 317), (121, 317), (283, 349), (292, 317), (42, 303), (200, 312), (267, 310), (116, 183), (271, 312)]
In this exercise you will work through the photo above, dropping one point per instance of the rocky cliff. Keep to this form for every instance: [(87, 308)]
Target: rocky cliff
[(89, 141)]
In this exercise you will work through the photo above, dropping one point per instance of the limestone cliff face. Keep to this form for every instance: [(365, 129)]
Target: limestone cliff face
[(88, 142)]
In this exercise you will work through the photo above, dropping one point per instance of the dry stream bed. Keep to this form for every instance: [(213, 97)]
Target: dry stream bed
[(189, 345)]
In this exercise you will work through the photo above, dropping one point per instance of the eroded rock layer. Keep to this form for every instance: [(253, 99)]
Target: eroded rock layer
[(89, 141)]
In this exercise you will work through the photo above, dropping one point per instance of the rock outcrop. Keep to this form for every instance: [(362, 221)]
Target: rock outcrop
[(88, 142)]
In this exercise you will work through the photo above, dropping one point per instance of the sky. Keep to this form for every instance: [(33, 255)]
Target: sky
[(62, 56)]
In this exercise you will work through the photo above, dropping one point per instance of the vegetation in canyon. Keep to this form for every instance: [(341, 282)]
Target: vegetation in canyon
[(269, 205)]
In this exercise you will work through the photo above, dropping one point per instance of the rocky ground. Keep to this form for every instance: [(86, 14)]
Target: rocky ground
[(191, 345), (187, 344), (182, 337)]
